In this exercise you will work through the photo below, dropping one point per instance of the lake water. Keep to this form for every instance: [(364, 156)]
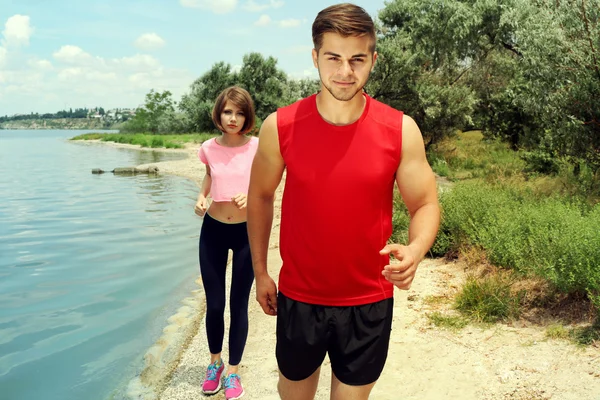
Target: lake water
[(91, 266)]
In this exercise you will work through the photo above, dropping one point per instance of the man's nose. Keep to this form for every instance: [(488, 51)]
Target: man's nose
[(345, 69)]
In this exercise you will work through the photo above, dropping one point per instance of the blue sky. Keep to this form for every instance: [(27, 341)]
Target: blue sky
[(72, 53)]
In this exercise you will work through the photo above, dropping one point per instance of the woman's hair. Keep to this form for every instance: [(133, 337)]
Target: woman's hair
[(241, 98), (344, 19)]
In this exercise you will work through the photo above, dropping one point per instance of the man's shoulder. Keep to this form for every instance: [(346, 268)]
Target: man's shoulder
[(385, 114), (381, 107), (295, 111)]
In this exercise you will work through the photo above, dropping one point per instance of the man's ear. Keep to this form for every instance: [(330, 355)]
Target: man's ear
[(375, 55), (315, 56)]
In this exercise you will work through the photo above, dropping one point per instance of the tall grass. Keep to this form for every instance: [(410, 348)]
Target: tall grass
[(553, 238), (148, 140), (543, 226), (469, 156)]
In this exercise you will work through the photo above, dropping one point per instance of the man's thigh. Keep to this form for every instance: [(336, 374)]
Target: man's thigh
[(298, 390), (359, 346), (302, 332), (341, 391)]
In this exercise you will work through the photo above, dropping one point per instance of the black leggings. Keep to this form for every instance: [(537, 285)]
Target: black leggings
[(216, 238)]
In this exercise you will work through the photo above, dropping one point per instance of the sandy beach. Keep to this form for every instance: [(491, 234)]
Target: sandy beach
[(502, 361)]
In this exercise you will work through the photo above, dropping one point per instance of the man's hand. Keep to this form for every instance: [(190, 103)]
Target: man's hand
[(239, 200), (266, 294), (201, 206), (401, 274)]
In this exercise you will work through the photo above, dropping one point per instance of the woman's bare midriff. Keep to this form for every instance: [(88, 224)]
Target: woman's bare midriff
[(227, 212)]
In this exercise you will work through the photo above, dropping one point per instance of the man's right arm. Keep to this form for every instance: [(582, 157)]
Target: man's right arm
[(267, 170)]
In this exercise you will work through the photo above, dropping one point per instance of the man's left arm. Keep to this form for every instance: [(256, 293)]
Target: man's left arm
[(418, 189)]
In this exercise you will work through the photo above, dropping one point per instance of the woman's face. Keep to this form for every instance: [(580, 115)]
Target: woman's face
[(232, 118)]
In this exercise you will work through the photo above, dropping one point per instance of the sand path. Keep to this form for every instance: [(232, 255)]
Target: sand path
[(425, 362)]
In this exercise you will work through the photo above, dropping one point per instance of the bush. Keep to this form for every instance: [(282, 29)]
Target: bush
[(541, 161), (553, 238), (557, 239), (488, 299)]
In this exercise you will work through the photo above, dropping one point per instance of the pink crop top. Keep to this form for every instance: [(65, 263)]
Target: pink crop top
[(229, 167)]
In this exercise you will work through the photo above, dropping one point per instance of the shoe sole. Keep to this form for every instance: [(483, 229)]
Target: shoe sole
[(239, 397), (213, 391)]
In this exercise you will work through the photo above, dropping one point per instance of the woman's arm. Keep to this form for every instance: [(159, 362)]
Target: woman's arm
[(202, 202)]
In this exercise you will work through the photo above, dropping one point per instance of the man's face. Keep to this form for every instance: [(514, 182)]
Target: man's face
[(344, 64)]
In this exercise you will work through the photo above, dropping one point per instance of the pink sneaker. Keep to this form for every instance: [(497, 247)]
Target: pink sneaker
[(233, 387), (212, 382)]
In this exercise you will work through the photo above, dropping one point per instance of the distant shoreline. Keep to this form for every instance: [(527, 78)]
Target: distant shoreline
[(56, 124)]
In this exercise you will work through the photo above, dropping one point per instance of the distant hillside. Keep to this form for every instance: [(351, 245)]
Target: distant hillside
[(60, 123)]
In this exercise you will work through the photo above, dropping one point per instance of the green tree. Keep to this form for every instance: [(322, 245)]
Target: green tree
[(158, 105), (297, 89), (264, 81), (425, 50), (198, 103), (559, 79), (267, 84), (526, 71)]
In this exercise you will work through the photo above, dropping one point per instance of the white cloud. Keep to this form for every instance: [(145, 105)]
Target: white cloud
[(289, 23), (149, 42), (72, 55), (40, 64), (253, 6), (311, 73), (2, 56), (216, 6), (138, 62), (299, 49), (80, 79), (263, 20), (17, 31)]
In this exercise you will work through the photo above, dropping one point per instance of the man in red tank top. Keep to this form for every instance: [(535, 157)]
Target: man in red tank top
[(343, 152)]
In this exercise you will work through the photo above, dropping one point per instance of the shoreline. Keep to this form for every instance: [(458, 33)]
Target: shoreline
[(165, 355), (513, 360)]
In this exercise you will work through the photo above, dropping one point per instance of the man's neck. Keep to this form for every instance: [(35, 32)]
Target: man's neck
[(338, 112)]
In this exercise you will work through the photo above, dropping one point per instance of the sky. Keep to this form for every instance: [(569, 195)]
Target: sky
[(63, 54)]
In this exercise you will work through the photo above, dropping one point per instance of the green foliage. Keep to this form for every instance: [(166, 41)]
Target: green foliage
[(265, 82), (198, 103), (525, 72), (148, 118), (586, 335), (440, 167), (557, 331), (78, 113), (268, 85), (411, 76), (451, 322), (552, 238), (545, 162), (488, 299), (148, 140)]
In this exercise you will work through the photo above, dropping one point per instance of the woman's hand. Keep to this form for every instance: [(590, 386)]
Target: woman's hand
[(239, 200), (201, 206)]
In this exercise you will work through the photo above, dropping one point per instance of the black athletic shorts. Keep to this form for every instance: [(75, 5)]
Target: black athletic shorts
[(357, 339)]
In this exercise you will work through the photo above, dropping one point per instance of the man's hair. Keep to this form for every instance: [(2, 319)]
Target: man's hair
[(344, 19), (241, 98)]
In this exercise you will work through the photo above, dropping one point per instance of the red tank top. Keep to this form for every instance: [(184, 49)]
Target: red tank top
[(337, 203)]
